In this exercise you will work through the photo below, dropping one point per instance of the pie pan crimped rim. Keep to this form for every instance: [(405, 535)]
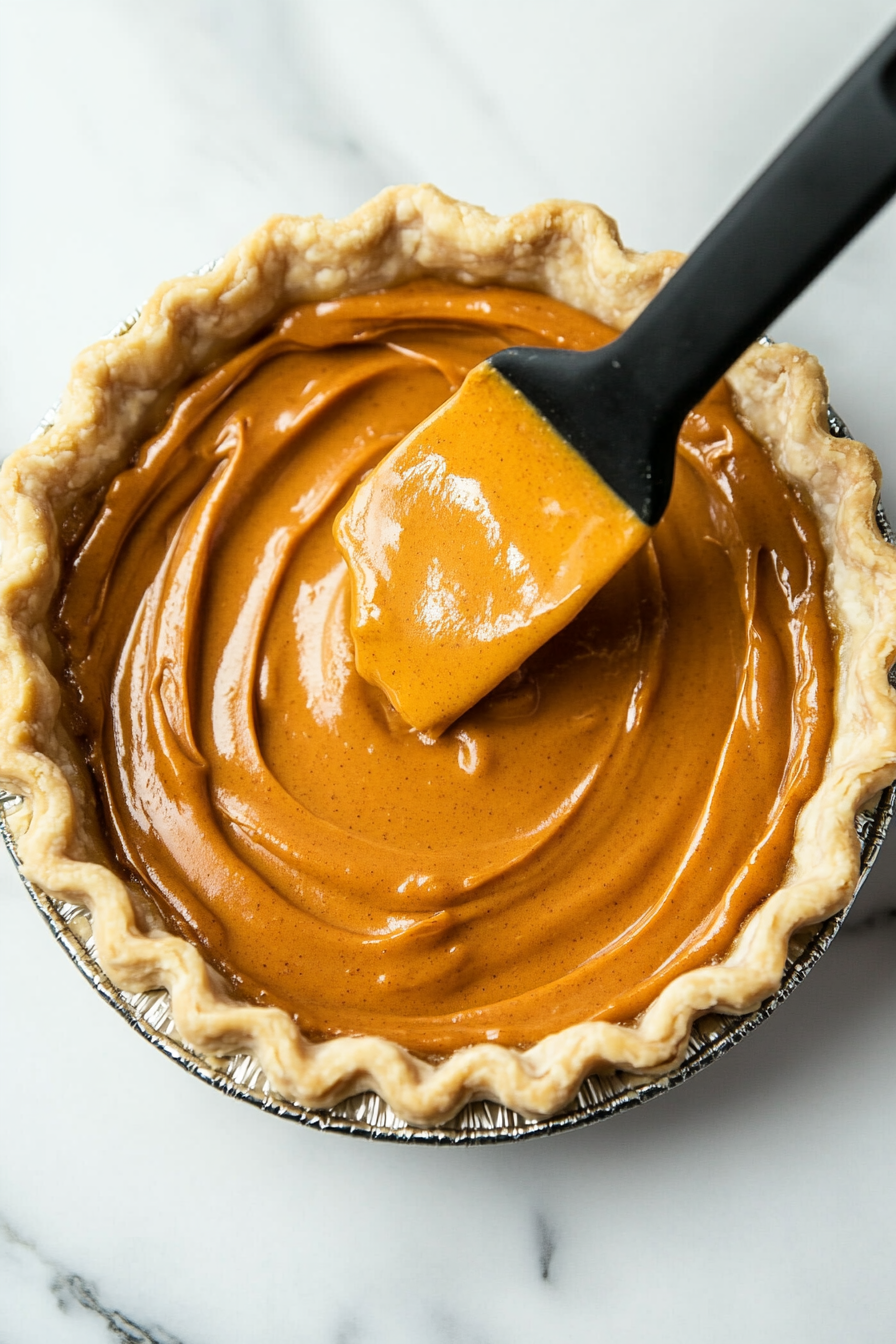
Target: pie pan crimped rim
[(572, 252), (478, 1122)]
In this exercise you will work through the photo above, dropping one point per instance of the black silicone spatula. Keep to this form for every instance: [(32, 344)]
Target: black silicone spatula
[(618, 409), (622, 406)]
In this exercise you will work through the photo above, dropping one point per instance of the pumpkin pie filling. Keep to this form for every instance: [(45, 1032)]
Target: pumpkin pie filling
[(602, 821)]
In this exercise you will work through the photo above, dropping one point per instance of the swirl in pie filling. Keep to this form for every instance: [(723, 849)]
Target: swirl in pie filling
[(600, 823)]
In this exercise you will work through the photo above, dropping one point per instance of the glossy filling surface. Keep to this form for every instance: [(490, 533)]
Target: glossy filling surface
[(474, 542), (603, 820)]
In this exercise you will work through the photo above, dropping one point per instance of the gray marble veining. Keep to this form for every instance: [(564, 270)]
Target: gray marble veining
[(44, 1299), (137, 141)]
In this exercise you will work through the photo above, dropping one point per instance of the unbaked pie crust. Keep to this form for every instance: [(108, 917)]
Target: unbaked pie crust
[(117, 389)]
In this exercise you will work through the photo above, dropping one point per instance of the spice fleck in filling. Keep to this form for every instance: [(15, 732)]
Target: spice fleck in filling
[(602, 821)]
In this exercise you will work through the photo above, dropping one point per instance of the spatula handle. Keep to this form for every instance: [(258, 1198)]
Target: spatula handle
[(818, 193)]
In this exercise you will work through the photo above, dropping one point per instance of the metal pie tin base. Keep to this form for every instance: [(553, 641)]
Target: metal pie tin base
[(478, 1122)]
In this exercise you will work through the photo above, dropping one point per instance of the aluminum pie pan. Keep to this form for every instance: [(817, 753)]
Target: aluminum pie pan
[(479, 1122)]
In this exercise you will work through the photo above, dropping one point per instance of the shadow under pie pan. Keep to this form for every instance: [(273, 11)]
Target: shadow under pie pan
[(479, 1121)]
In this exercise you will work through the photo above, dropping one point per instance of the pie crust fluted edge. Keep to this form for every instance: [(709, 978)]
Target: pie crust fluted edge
[(572, 252)]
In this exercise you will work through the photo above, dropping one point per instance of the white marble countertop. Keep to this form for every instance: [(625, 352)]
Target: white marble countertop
[(756, 1202)]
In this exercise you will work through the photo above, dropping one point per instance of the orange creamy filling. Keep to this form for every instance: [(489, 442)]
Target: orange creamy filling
[(602, 821), (478, 538)]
